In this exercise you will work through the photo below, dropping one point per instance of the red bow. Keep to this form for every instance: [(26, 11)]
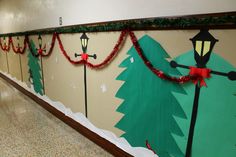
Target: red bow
[(199, 74), (40, 51), (18, 49), (84, 56)]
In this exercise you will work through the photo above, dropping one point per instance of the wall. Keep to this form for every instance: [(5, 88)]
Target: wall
[(25, 15), (64, 82)]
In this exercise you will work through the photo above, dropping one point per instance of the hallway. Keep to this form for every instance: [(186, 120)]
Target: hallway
[(27, 130)]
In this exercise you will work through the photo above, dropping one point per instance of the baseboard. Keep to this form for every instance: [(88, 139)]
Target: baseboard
[(105, 144)]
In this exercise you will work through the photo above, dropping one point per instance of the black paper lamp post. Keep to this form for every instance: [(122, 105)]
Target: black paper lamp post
[(18, 44), (84, 43), (4, 42), (40, 41), (203, 44)]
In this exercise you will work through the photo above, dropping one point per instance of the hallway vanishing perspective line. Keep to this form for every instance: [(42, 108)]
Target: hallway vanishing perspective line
[(27, 130)]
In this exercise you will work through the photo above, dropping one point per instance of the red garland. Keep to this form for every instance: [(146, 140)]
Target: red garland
[(19, 50), (160, 74), (26, 42), (100, 65), (51, 47), (40, 51), (65, 53), (5, 47), (105, 62), (112, 55)]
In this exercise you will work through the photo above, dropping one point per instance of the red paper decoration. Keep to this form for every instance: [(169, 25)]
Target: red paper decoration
[(199, 74), (84, 56), (106, 61)]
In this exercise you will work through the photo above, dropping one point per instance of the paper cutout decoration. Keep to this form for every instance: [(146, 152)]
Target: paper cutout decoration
[(84, 56), (215, 126), (149, 106), (41, 49), (103, 88), (35, 70), (203, 44)]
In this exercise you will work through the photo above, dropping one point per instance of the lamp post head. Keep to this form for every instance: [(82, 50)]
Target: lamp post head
[(84, 42), (203, 44), (4, 41), (40, 41)]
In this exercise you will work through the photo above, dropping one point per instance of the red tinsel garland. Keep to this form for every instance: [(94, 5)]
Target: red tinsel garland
[(111, 56), (100, 65), (105, 62), (51, 47), (18, 49), (6, 48), (160, 74), (65, 53)]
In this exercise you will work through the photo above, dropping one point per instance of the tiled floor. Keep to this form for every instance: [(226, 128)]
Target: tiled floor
[(27, 130)]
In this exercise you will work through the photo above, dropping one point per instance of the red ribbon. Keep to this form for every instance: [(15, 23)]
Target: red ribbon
[(84, 56), (40, 51), (199, 74)]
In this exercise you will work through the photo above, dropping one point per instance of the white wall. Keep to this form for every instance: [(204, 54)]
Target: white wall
[(22, 15)]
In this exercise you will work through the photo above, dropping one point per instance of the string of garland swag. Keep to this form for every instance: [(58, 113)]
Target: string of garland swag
[(104, 63)]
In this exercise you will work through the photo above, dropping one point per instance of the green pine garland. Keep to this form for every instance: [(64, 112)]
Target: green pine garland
[(212, 21)]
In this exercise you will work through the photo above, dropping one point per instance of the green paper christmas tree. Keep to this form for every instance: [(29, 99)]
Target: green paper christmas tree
[(149, 106), (35, 70), (215, 128)]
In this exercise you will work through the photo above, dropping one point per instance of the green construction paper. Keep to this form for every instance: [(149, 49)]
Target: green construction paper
[(215, 127), (35, 70), (149, 107)]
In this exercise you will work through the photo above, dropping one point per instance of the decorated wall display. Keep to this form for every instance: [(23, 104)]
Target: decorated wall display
[(84, 56), (215, 122), (171, 108), (145, 101), (35, 70), (203, 44), (149, 106)]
